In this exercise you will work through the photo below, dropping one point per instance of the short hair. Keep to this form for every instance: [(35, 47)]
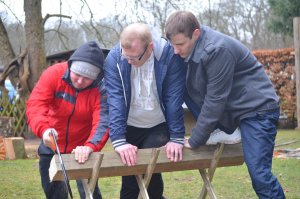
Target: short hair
[(183, 22), (135, 31)]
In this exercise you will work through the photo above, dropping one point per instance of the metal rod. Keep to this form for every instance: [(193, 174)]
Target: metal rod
[(62, 165)]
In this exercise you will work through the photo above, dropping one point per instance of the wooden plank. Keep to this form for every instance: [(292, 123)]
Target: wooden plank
[(112, 165)]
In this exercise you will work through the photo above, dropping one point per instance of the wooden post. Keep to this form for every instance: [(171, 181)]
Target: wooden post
[(143, 182), (296, 24), (87, 190), (208, 176), (15, 148), (95, 172)]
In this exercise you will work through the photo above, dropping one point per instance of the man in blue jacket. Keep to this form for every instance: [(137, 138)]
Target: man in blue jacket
[(145, 82), (227, 87)]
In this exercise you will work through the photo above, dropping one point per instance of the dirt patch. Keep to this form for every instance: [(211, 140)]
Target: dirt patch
[(287, 153)]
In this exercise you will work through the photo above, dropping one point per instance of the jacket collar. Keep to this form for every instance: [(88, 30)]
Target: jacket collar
[(195, 54)]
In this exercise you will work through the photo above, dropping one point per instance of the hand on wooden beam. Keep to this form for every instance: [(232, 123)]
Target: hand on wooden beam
[(127, 153), (82, 153), (187, 144), (174, 151)]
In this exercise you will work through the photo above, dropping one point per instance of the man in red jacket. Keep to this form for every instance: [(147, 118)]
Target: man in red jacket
[(70, 100)]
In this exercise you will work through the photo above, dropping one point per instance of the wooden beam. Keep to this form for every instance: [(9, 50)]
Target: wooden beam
[(147, 176), (95, 171), (207, 184), (296, 27), (211, 170), (112, 165), (143, 189), (151, 166), (87, 190)]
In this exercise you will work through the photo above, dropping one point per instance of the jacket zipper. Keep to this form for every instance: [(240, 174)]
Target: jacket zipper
[(68, 124), (124, 92)]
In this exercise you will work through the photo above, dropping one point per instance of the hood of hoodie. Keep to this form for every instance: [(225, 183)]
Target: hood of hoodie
[(89, 52), (158, 44)]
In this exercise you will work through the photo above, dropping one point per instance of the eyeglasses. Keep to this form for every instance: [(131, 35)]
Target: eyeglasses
[(135, 58)]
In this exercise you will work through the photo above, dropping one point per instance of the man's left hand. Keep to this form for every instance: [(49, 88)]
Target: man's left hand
[(174, 151), (82, 153)]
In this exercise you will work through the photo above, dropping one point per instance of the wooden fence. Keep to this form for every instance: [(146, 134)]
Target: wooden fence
[(16, 110)]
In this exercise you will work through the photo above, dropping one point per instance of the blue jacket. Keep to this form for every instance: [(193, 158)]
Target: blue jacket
[(225, 84), (170, 80)]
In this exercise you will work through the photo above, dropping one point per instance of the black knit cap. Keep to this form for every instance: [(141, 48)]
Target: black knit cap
[(89, 52)]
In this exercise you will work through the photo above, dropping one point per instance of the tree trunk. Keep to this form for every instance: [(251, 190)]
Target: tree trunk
[(7, 52), (34, 31)]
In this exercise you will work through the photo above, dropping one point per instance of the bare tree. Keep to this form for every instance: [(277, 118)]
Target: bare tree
[(31, 60), (158, 10), (7, 54), (25, 69), (244, 20), (34, 31)]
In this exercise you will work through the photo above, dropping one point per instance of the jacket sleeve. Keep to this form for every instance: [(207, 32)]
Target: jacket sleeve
[(116, 98), (173, 92), (100, 132), (219, 74), (37, 106)]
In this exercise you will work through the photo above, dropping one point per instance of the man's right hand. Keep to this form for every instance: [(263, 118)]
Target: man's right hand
[(187, 144), (48, 140), (127, 153)]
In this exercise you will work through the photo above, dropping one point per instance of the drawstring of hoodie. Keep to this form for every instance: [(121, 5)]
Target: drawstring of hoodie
[(149, 73)]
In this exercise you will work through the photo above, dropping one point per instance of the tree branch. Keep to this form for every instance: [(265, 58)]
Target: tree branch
[(55, 15)]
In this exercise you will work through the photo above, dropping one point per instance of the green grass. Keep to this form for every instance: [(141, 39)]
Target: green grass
[(20, 178)]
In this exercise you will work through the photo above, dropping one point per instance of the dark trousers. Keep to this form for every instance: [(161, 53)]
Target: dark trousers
[(258, 139), (58, 189), (145, 138)]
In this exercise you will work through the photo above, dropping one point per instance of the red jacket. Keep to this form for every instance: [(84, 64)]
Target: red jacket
[(79, 117)]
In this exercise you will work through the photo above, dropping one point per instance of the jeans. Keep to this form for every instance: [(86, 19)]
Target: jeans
[(258, 140), (58, 189), (156, 136)]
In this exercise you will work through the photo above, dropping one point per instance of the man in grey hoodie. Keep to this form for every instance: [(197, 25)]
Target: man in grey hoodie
[(145, 84), (228, 88)]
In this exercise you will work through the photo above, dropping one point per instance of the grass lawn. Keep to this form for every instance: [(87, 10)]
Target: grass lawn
[(20, 178)]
